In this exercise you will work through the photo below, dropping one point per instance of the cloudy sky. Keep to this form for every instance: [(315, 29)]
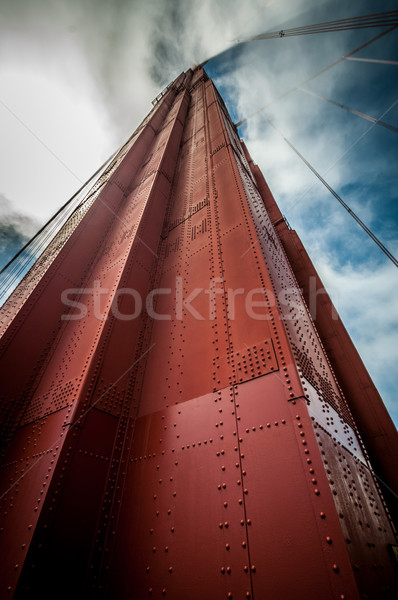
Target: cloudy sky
[(77, 77)]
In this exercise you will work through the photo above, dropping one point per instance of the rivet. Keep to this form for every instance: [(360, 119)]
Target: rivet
[(222, 570), (243, 544), (335, 568), (226, 524), (225, 504), (245, 568), (228, 569), (253, 568), (227, 546), (329, 540)]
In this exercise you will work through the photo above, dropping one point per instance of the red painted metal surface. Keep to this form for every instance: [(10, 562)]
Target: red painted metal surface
[(205, 451), (372, 419)]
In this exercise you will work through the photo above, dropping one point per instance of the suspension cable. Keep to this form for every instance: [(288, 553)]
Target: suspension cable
[(373, 60), (352, 110), (335, 194), (333, 64), (383, 19)]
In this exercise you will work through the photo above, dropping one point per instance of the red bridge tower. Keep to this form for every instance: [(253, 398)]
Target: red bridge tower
[(176, 425)]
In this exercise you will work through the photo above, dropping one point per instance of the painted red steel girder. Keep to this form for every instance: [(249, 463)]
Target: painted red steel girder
[(209, 455)]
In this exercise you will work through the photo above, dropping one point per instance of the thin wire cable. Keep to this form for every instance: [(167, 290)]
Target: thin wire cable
[(373, 60), (335, 194), (20, 264), (341, 156), (351, 110), (59, 211), (108, 163), (363, 22), (24, 262), (37, 240), (333, 64), (24, 259)]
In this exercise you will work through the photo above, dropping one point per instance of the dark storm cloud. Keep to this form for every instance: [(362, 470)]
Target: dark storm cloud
[(11, 240), (15, 230)]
